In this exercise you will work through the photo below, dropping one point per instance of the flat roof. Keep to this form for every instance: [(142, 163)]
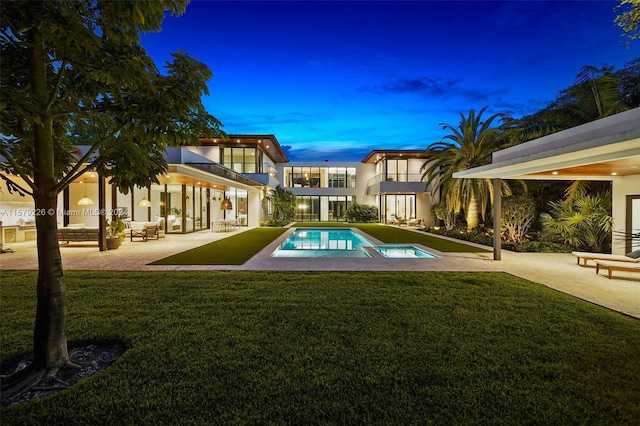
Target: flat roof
[(269, 144), (378, 154), (597, 150)]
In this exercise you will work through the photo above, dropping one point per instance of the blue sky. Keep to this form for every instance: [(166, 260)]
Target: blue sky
[(336, 79)]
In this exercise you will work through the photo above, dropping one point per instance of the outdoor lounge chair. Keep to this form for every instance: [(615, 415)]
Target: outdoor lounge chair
[(585, 256), (611, 265), (147, 232)]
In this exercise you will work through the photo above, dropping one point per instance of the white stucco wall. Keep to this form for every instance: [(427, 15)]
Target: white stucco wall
[(623, 186)]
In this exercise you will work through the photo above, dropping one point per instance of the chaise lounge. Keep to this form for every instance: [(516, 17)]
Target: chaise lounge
[(585, 256), (611, 265)]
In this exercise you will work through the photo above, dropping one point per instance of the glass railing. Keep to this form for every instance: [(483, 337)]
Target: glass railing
[(218, 170), (409, 177)]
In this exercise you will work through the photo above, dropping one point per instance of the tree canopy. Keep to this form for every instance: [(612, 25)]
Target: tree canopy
[(74, 73), (77, 70), (629, 18)]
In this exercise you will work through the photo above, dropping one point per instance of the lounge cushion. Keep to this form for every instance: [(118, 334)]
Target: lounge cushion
[(586, 256), (634, 254)]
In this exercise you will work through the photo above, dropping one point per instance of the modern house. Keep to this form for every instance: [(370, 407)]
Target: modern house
[(222, 180), (388, 179), (605, 149)]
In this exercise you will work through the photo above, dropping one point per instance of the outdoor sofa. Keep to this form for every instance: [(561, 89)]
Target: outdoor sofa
[(71, 235)]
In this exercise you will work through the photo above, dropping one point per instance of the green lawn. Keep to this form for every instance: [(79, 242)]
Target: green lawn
[(332, 348), (234, 250)]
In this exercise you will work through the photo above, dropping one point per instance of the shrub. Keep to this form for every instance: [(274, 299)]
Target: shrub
[(443, 213), (361, 213), (585, 223), (518, 214), (275, 223)]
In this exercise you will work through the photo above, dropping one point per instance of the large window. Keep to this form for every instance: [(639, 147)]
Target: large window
[(242, 160), (303, 177), (322, 208), (173, 201), (398, 207), (308, 208), (633, 223), (337, 208), (397, 170), (320, 177)]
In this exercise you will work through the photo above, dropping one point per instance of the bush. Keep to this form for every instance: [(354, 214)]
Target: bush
[(537, 243), (585, 224), (361, 213), (442, 212), (518, 214), (275, 223), (480, 234)]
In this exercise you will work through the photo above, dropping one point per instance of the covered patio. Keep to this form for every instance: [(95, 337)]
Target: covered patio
[(607, 149)]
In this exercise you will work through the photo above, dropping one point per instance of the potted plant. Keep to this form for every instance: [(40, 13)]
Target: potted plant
[(116, 233)]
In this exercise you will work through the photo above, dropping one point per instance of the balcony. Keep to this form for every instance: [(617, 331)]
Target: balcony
[(408, 183), (218, 170)]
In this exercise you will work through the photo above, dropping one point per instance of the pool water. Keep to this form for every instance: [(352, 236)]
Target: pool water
[(404, 252), (323, 242), (341, 242)]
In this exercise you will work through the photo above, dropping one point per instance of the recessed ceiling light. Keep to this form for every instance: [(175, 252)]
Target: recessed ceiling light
[(267, 146), (614, 174), (554, 173)]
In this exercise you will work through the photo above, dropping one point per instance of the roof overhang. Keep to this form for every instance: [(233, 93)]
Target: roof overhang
[(599, 150), (268, 144), (181, 174), (379, 154)]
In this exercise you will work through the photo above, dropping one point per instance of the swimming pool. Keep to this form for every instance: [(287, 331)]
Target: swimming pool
[(323, 242), (342, 242), (404, 252)]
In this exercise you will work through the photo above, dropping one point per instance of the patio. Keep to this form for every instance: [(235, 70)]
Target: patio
[(555, 270)]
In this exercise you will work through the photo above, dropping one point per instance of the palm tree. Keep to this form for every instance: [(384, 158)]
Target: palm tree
[(596, 93), (283, 203), (469, 145)]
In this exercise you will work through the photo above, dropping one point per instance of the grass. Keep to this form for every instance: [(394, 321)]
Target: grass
[(338, 348), (395, 235), (234, 250)]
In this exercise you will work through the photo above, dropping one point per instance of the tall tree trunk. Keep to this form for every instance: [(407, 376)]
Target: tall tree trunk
[(49, 339), (472, 213)]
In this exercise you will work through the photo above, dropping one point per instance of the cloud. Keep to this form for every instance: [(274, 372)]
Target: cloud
[(439, 87), (431, 86), (261, 123), (332, 152)]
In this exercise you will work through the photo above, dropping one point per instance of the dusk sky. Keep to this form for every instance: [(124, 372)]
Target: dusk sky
[(336, 79)]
